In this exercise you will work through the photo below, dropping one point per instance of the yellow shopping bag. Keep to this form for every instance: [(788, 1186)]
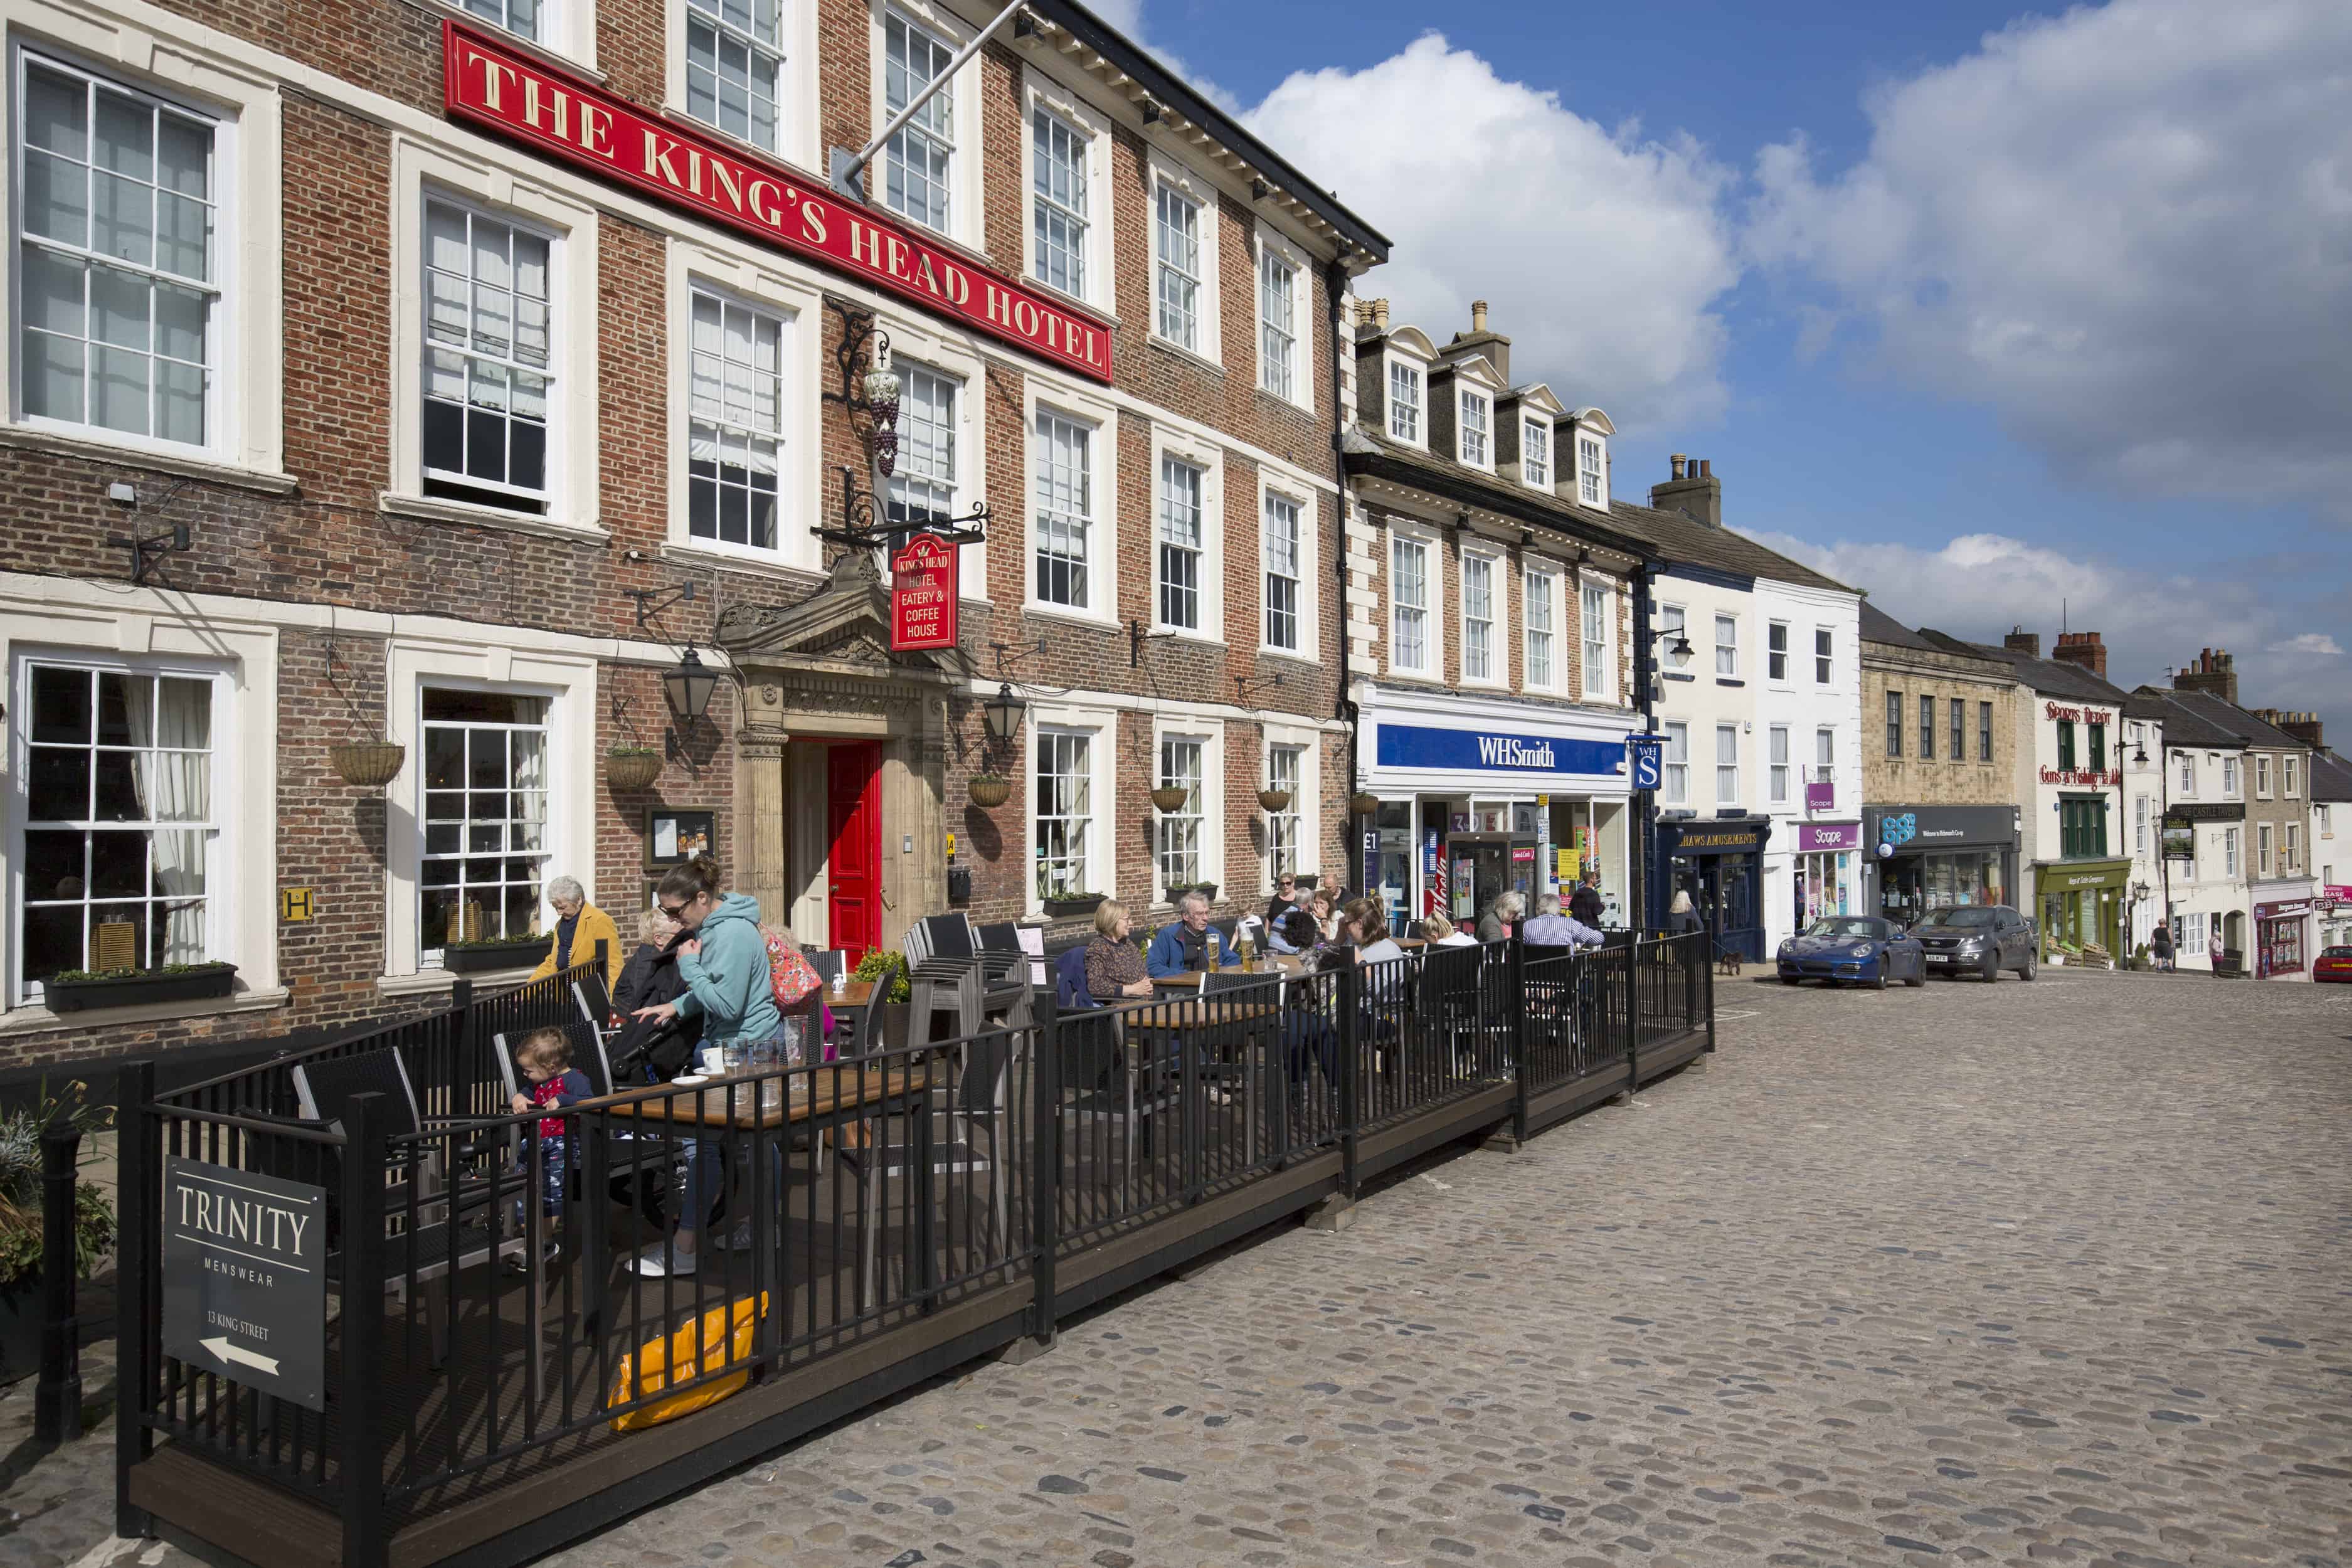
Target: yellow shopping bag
[(723, 1336)]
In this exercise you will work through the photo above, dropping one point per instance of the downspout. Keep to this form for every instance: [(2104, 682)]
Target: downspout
[(1335, 279)]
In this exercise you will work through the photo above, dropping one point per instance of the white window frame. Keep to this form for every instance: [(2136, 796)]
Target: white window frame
[(1067, 401), (2290, 786), (2139, 826), (1603, 689), (1391, 364), (574, 457), (1309, 503), (1089, 837), (2262, 775), (1825, 659), (423, 822), (224, 749), (1497, 622), (2186, 788), (711, 14), (2290, 849), (1825, 756), (1286, 825), (1674, 618), (1535, 471), (1721, 618), (2263, 840), (1306, 806), (1042, 94), (1170, 445), (568, 681), (1464, 396), (2233, 779), (1540, 583), (1784, 653), (2230, 853), (1102, 725), (967, 156), (1195, 188), (1210, 734), (1727, 773), (1591, 469), (796, 95), (1273, 501), (693, 267), (1270, 248), (1777, 764), (1433, 650), (245, 433), (1674, 774)]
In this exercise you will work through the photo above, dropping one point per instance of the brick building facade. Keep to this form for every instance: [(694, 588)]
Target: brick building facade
[(433, 395)]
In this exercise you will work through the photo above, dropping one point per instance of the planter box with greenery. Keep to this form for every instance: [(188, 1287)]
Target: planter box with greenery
[(1177, 889), (20, 1220), (1073, 903), (887, 966), (75, 989), (503, 952)]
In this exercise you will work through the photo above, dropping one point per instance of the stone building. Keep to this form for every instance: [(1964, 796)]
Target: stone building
[(2195, 782), (442, 348), (1940, 814), (2275, 789)]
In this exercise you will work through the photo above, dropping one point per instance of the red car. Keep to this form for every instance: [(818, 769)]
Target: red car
[(2333, 964)]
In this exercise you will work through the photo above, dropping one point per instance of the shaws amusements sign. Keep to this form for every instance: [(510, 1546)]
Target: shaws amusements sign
[(563, 117)]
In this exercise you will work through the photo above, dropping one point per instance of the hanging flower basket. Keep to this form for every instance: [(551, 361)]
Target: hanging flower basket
[(1171, 798), (629, 769), (989, 791), (1364, 803), (1274, 799), (368, 764)]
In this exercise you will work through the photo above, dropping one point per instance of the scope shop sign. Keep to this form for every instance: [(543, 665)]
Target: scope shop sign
[(245, 1279)]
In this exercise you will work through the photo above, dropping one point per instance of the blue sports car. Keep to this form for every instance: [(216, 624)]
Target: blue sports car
[(1860, 948)]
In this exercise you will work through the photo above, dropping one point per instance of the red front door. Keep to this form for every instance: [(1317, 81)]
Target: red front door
[(853, 777)]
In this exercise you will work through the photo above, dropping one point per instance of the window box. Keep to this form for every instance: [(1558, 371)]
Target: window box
[(75, 990), (1177, 889), (1074, 904), (507, 952), (1307, 881)]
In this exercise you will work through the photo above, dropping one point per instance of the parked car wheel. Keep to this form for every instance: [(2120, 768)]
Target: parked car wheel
[(1879, 981), (2025, 971), (1918, 977), (1991, 968)]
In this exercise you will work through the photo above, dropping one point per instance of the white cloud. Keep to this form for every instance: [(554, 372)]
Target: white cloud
[(1602, 253), (1980, 586), (2128, 230)]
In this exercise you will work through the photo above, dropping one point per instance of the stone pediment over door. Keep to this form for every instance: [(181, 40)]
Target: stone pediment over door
[(842, 630)]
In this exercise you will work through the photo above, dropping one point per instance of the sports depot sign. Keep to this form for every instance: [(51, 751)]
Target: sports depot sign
[(489, 85)]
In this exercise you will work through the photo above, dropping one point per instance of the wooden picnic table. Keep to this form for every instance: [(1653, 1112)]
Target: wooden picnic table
[(1270, 966)]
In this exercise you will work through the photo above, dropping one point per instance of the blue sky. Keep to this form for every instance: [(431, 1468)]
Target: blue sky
[(1980, 309)]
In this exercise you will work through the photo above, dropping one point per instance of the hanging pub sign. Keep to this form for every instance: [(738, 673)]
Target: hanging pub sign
[(2179, 835), (488, 84), (923, 594)]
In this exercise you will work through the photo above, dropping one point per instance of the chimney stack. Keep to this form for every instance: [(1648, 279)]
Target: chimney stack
[(2304, 726), (2020, 641), (2214, 673), (1694, 491), (1380, 313), (1477, 316), (2084, 648)]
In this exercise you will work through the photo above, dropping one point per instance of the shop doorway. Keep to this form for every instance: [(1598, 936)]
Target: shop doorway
[(1722, 890), (1485, 867), (852, 778)]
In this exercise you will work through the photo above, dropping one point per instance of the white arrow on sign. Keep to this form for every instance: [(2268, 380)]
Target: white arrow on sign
[(220, 1346)]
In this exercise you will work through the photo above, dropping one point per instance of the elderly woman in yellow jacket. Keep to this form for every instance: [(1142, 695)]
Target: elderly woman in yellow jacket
[(579, 926)]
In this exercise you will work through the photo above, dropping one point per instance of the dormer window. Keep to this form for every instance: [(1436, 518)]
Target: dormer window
[(1404, 401), (1534, 453), (1591, 471), (1477, 445)]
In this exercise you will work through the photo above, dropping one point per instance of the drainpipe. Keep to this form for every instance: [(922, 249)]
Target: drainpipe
[(1335, 279)]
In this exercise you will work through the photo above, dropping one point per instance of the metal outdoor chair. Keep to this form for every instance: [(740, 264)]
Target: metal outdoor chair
[(1237, 1021), (595, 1003), (982, 1102), (1098, 1058), (830, 962)]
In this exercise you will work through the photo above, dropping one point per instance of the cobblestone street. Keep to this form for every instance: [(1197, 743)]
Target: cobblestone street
[(2057, 1272)]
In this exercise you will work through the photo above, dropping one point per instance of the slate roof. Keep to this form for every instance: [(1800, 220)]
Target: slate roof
[(2184, 725), (2049, 676), (1686, 540), (2331, 777), (2228, 716), (1879, 626)]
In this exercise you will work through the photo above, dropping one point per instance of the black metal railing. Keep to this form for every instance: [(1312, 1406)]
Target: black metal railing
[(498, 1281)]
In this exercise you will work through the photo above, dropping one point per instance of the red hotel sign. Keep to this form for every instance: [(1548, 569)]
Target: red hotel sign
[(923, 594), (583, 124)]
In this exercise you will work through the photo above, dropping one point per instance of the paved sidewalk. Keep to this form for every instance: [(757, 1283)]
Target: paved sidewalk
[(2057, 1272)]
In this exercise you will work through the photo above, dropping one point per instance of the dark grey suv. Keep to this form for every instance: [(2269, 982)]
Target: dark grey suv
[(1977, 939)]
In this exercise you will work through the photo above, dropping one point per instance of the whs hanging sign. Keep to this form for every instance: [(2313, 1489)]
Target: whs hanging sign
[(245, 1278), (560, 115), (923, 594)]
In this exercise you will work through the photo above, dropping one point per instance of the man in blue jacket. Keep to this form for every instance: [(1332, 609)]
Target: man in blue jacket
[(1185, 946)]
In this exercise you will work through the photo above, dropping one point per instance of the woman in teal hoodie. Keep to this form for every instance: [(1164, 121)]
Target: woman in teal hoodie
[(724, 963)]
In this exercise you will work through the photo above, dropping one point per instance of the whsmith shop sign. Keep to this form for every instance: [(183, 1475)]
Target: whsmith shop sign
[(491, 85), (1496, 751), (245, 1278)]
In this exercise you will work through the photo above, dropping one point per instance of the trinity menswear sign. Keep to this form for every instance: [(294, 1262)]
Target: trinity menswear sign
[(563, 117)]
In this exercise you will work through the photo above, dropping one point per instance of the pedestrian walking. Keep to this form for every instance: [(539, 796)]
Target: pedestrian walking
[(1682, 918)]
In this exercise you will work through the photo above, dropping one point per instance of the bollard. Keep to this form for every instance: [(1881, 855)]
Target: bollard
[(57, 1399)]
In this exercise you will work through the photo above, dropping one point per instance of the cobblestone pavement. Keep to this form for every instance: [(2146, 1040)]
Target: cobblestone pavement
[(2057, 1272)]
